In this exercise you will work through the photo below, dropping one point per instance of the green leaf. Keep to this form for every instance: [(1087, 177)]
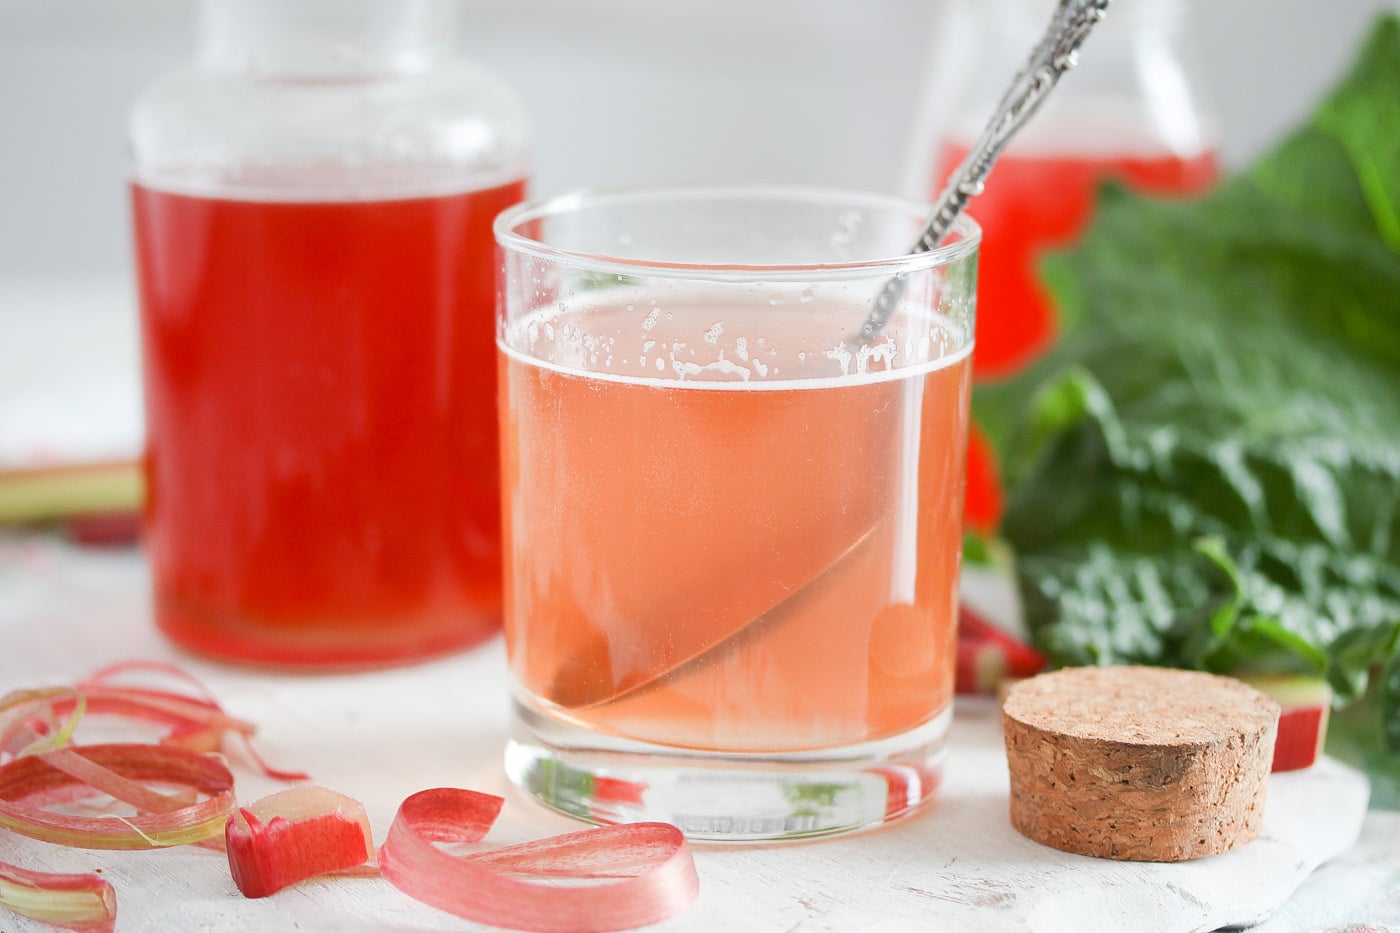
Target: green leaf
[(1357, 736), (1390, 702), (1205, 470)]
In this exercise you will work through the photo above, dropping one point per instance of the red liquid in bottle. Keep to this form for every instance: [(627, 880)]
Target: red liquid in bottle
[(1035, 204), (321, 411)]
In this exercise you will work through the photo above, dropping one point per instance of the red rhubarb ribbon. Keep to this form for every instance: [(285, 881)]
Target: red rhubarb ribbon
[(195, 718), (644, 871), (29, 785)]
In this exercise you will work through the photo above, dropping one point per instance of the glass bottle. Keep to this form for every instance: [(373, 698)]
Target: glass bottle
[(312, 202), (1128, 111)]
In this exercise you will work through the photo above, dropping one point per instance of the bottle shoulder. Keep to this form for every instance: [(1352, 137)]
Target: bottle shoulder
[(452, 126)]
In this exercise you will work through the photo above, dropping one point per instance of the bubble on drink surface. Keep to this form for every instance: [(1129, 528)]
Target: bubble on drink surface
[(741, 348), (713, 332), (806, 296), (883, 352), (721, 367), (653, 315), (843, 357), (776, 299)]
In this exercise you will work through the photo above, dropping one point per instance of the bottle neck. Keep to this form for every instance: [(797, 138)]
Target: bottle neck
[(326, 38)]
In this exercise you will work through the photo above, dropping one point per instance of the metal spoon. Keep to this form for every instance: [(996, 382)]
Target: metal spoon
[(1056, 53)]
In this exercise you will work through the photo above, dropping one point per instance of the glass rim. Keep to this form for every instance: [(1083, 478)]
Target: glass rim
[(507, 224)]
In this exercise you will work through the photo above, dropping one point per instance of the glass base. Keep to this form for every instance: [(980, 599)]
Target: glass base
[(726, 797)]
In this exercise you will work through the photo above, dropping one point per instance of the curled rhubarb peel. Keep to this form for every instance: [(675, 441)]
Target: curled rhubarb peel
[(196, 721), (175, 792), (112, 674), (644, 871), (28, 785), (46, 718), (293, 835), (195, 718), (36, 720), (102, 780), (75, 902)]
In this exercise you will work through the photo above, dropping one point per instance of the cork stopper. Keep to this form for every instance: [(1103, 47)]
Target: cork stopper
[(1138, 763)]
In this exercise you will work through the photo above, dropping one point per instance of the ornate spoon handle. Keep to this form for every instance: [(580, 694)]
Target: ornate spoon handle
[(1056, 53)]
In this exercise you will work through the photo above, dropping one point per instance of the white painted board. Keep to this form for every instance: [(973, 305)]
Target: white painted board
[(383, 735)]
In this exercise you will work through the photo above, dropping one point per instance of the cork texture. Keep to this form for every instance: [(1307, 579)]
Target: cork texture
[(1138, 763)]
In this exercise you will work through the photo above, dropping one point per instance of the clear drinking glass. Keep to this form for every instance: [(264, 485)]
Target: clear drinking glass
[(731, 528)]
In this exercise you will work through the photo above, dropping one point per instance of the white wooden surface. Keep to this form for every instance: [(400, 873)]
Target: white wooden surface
[(68, 388), (380, 736)]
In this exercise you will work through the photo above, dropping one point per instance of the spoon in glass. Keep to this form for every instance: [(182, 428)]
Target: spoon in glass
[(579, 683), (1055, 54)]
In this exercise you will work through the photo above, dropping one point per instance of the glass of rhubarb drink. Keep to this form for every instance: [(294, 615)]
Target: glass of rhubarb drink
[(732, 519)]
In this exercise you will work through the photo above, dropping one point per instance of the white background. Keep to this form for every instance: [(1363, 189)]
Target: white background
[(816, 91), (620, 91)]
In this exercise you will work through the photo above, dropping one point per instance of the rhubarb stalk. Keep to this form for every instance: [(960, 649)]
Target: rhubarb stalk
[(42, 494), (74, 902), (293, 835), (1302, 725), (987, 656)]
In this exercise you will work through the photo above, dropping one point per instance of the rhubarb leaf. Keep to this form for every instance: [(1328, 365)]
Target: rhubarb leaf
[(1204, 471)]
